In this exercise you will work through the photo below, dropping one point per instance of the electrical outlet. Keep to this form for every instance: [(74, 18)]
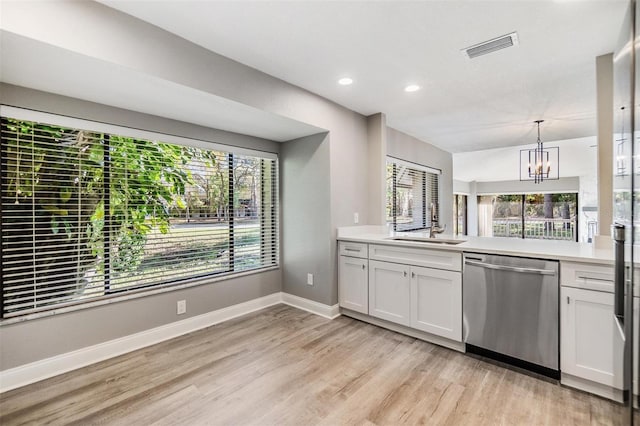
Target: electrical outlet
[(309, 279), (181, 307), (356, 218)]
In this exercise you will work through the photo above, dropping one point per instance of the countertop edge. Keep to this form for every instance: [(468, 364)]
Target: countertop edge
[(470, 247)]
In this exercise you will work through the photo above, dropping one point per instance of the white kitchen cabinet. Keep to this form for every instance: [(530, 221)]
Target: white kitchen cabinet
[(436, 302), (390, 292), (353, 288), (591, 346)]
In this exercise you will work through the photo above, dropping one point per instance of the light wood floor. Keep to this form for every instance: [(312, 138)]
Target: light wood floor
[(283, 366)]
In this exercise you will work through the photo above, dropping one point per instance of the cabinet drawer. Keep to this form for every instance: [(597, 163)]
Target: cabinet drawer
[(438, 259), (353, 249), (587, 276)]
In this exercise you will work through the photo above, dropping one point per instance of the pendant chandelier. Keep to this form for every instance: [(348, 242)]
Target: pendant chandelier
[(539, 164)]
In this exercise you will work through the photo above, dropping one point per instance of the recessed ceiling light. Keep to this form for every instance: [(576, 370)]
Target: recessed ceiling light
[(345, 81), (412, 88)]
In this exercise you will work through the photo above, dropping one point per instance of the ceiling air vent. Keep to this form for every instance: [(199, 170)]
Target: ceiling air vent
[(492, 45)]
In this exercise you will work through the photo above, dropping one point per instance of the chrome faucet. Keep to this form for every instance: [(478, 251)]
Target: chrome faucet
[(435, 229)]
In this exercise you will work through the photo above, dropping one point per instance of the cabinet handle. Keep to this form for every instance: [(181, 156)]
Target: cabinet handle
[(363, 266), (585, 277), (351, 249), (413, 275), (568, 300), (404, 273)]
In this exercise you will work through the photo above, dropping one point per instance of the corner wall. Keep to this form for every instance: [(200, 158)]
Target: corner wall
[(45, 337), (116, 38), (305, 195), (400, 145), (377, 156)]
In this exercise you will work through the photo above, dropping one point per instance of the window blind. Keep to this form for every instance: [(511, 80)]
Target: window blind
[(89, 214), (412, 195)]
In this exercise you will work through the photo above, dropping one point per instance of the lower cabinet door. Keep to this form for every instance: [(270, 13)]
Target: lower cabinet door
[(353, 289), (436, 302), (590, 345), (390, 292)]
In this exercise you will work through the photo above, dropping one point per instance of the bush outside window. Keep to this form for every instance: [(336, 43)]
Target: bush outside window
[(89, 214)]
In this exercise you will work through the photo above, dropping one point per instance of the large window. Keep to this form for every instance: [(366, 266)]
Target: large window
[(412, 195), (88, 214), (537, 216)]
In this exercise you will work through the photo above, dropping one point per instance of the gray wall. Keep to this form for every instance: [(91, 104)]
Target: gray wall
[(400, 145), (377, 134), (41, 338), (306, 197), (48, 102), (37, 339), (343, 168), (461, 187)]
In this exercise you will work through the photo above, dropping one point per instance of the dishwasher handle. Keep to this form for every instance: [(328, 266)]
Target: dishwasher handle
[(510, 268)]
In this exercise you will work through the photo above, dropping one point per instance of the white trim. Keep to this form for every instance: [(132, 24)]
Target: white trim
[(317, 308), (96, 126), (43, 369), (59, 364)]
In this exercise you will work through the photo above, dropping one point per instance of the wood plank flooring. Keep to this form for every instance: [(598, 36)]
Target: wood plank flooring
[(284, 366)]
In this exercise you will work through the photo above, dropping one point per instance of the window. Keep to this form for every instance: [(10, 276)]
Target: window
[(88, 214), (459, 214), (537, 216), (412, 195)]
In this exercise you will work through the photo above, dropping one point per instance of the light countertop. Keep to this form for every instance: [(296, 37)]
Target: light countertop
[(546, 249)]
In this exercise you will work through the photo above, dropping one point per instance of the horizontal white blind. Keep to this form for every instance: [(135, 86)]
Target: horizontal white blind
[(412, 196), (87, 214)]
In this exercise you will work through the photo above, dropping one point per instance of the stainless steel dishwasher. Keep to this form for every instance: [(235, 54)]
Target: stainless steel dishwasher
[(510, 310)]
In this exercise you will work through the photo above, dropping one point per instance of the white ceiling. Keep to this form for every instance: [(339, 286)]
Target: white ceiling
[(464, 105)]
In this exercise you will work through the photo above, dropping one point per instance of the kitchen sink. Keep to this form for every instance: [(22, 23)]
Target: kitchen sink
[(426, 240)]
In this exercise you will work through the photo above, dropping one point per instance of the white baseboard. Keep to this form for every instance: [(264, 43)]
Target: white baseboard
[(59, 364), (317, 308)]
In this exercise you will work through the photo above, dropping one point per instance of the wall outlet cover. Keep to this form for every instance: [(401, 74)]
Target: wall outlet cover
[(309, 279), (181, 307)]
